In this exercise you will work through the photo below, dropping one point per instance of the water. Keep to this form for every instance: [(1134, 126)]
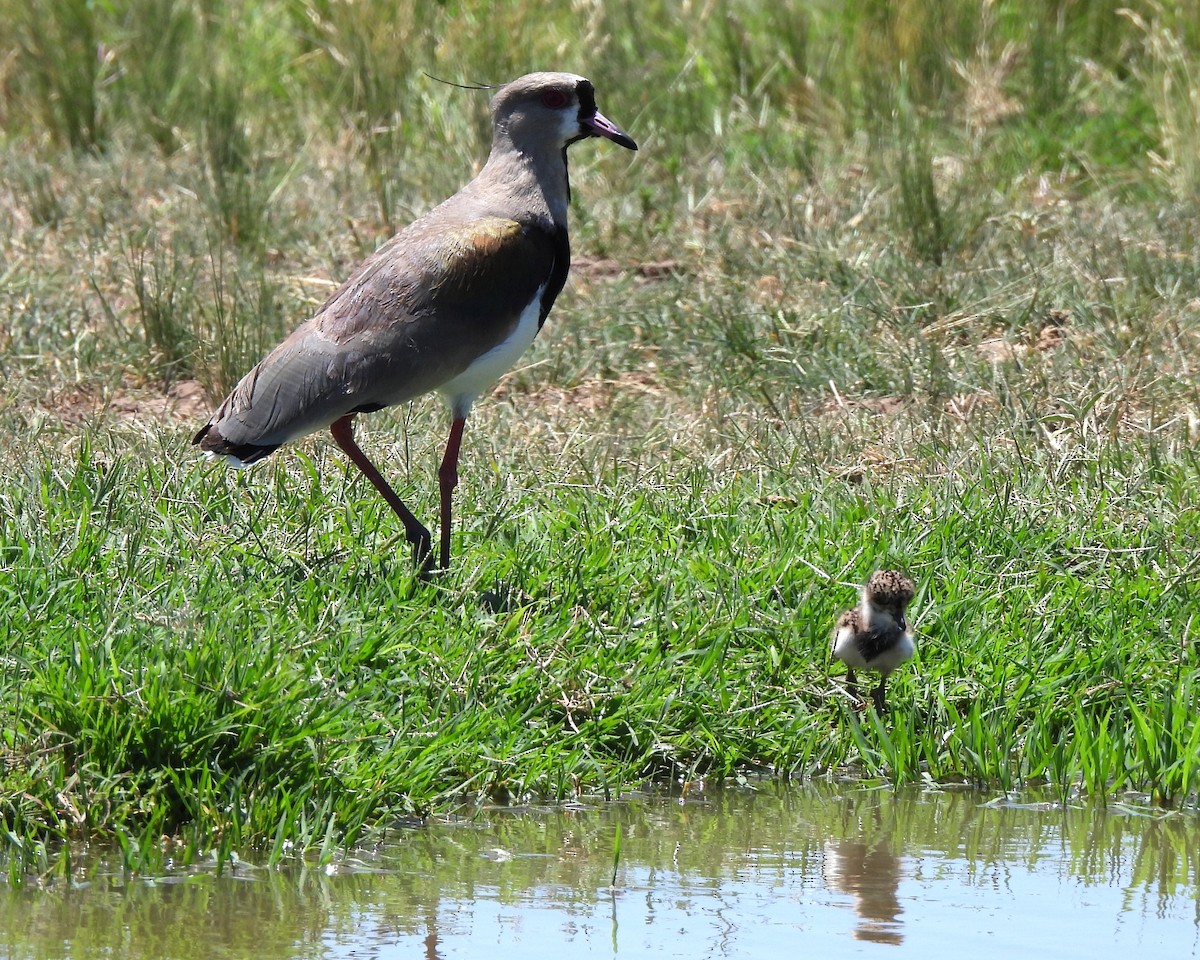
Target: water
[(826, 870)]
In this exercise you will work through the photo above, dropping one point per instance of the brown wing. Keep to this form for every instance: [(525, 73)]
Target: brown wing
[(414, 316), (849, 618)]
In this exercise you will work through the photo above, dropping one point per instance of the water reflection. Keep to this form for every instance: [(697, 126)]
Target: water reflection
[(870, 873), (737, 874)]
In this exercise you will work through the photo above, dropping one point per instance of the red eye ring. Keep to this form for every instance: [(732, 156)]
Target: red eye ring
[(554, 99)]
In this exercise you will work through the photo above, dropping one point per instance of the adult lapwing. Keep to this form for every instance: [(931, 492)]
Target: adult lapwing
[(448, 304), (874, 635)]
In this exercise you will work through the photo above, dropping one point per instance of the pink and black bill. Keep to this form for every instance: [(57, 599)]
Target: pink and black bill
[(592, 123)]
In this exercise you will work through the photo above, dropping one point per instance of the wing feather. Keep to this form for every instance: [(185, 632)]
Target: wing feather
[(413, 316)]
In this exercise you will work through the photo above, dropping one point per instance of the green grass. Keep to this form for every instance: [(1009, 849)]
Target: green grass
[(919, 298)]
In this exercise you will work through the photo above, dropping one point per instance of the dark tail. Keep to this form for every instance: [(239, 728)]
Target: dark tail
[(209, 440)]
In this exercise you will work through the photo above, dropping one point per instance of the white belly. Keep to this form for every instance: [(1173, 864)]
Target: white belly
[(489, 367)]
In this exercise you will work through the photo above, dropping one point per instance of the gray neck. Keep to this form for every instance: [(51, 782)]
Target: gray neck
[(878, 618), (531, 181)]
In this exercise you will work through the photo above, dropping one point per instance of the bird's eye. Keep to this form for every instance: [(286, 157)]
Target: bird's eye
[(554, 99)]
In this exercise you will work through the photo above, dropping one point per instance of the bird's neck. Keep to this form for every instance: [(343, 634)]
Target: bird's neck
[(877, 618), (531, 180)]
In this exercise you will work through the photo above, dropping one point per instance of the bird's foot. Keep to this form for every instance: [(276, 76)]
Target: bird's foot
[(503, 598), (424, 559), (857, 703)]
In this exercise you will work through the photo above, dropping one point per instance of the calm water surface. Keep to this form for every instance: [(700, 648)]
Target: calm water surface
[(827, 870)]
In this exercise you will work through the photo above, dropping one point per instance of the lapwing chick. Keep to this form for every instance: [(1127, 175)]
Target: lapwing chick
[(446, 305), (874, 635)]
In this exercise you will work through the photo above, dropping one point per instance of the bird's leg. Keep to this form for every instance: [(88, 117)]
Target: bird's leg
[(852, 682), (414, 531), (447, 481), (877, 695)]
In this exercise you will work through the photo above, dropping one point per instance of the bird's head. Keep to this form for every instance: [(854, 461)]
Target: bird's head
[(551, 111), (887, 594)]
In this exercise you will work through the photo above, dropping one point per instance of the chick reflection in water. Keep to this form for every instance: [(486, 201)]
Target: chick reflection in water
[(867, 869)]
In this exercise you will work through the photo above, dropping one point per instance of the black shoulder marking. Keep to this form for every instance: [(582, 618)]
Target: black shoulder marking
[(558, 272)]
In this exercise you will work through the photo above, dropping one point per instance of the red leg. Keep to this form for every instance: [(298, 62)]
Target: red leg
[(414, 531), (447, 481)]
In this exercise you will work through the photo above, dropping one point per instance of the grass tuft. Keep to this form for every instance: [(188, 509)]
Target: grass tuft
[(64, 62), (871, 294)]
